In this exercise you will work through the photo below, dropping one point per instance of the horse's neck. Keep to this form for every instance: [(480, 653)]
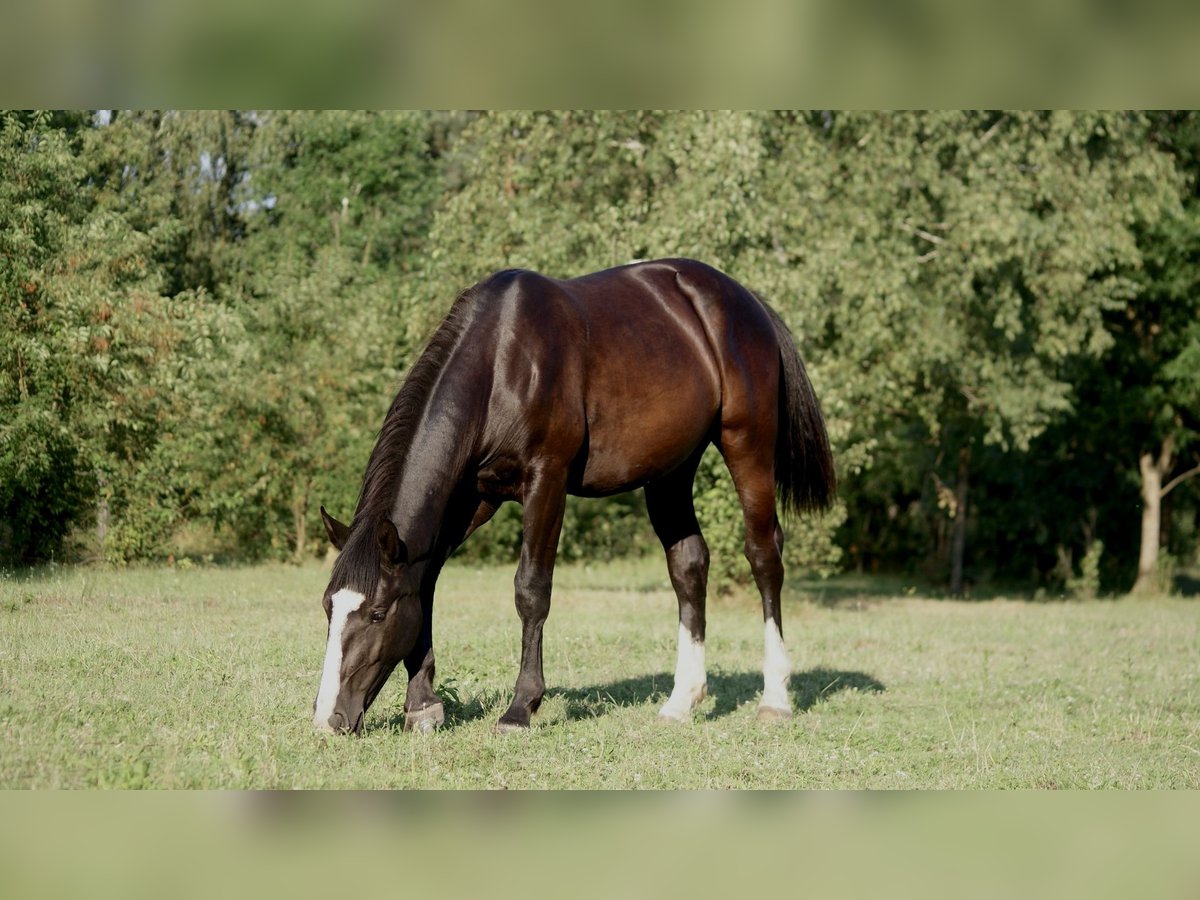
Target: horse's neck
[(436, 465)]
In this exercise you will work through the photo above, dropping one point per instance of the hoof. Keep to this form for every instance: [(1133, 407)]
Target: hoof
[(671, 718), (425, 720), (773, 714), (503, 727), (667, 714)]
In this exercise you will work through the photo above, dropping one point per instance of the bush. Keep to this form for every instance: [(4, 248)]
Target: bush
[(1086, 585)]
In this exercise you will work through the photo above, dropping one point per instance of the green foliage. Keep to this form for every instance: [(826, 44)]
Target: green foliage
[(44, 485), (319, 344), (174, 176), (974, 257), (45, 476), (335, 209), (608, 528), (1086, 585), (593, 529), (84, 333), (1139, 396), (361, 181), (206, 313), (499, 541), (941, 270)]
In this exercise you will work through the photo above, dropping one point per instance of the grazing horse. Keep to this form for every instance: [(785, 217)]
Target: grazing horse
[(533, 388)]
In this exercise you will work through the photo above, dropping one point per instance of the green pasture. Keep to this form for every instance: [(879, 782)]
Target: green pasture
[(204, 678)]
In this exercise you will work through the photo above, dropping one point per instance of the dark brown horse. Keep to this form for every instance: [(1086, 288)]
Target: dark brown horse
[(533, 388)]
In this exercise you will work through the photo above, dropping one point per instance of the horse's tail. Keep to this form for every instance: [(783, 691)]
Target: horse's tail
[(804, 475)]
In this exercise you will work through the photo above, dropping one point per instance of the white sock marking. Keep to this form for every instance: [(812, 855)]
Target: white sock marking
[(345, 602), (689, 677), (777, 669)]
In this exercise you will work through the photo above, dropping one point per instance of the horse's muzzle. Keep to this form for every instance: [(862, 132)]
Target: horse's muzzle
[(338, 723)]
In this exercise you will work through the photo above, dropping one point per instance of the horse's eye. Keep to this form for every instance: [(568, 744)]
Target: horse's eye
[(378, 615)]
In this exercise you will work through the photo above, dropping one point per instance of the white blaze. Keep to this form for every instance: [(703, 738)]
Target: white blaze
[(689, 677), (777, 669), (345, 602)]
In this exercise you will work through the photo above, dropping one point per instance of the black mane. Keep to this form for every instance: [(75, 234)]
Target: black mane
[(357, 566)]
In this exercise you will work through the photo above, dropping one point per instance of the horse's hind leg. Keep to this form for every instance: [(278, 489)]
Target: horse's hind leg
[(673, 516), (752, 466)]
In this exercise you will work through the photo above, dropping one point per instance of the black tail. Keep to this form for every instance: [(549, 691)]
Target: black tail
[(804, 475)]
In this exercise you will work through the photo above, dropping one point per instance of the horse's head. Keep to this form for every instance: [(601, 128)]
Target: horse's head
[(374, 612)]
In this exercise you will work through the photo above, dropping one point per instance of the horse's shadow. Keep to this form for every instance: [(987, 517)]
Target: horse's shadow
[(728, 690)]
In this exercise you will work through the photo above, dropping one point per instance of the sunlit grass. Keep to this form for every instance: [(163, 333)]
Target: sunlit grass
[(205, 678)]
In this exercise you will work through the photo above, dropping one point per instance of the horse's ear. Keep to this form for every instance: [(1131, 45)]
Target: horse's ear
[(338, 533), (391, 549)]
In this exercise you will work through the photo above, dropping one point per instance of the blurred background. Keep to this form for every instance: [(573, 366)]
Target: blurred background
[(125, 845), (621, 53), (206, 313)]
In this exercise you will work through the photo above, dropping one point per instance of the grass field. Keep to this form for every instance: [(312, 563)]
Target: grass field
[(205, 678)]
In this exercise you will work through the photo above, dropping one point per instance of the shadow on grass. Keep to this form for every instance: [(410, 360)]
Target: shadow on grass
[(729, 690), (861, 592)]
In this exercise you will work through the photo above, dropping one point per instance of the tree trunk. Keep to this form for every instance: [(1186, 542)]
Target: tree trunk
[(299, 518), (1151, 519), (1152, 471), (103, 514), (958, 541), (103, 517)]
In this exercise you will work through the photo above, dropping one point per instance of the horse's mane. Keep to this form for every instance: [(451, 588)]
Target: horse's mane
[(357, 566)]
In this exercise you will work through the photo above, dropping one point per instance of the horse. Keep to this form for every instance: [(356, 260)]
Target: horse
[(533, 388)]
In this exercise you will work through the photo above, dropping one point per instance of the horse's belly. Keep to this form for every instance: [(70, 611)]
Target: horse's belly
[(635, 438)]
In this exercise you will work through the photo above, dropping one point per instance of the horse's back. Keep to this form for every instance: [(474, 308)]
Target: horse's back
[(691, 318)]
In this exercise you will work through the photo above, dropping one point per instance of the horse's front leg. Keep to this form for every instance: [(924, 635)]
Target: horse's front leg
[(422, 706), (544, 500)]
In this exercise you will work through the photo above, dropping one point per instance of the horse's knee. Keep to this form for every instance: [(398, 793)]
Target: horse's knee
[(765, 554), (689, 561), (532, 594)]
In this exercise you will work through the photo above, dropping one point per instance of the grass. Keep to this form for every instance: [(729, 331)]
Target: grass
[(205, 678)]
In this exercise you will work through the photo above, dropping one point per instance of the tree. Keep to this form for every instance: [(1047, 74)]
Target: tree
[(175, 176), (80, 340), (962, 260), (45, 471), (1152, 372), (279, 238), (334, 208), (360, 180), (206, 313)]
